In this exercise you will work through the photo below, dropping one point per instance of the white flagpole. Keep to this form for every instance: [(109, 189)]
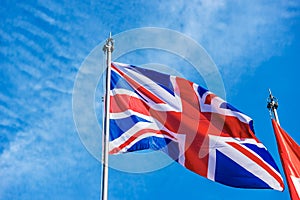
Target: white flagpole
[(108, 48), (272, 106)]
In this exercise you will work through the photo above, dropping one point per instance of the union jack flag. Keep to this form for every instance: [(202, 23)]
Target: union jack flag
[(202, 132)]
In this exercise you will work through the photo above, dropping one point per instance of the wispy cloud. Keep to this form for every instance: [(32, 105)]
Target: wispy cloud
[(40, 152), (238, 35), (40, 160)]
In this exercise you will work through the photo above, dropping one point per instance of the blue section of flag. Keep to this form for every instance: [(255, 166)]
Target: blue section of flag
[(228, 106), (119, 126), (251, 126), (118, 82), (154, 143), (230, 173), (161, 79), (201, 91), (172, 150)]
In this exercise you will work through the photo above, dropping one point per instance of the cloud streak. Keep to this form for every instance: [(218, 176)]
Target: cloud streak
[(238, 35)]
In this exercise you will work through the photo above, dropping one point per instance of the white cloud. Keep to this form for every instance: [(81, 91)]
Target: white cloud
[(44, 156), (239, 35)]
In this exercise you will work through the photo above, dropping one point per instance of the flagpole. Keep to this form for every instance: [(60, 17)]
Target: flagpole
[(272, 106), (108, 49)]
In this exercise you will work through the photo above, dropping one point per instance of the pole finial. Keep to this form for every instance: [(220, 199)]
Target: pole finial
[(109, 45), (272, 106), (272, 101)]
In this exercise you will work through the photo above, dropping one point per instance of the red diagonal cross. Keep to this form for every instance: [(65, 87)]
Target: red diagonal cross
[(190, 122), (194, 124)]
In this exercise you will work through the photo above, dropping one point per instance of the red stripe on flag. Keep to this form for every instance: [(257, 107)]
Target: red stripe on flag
[(123, 102), (208, 98), (139, 134), (193, 126), (138, 86)]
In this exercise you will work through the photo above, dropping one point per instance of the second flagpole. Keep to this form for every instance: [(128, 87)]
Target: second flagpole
[(108, 49)]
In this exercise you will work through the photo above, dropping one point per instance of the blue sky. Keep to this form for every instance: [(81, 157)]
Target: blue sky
[(254, 44)]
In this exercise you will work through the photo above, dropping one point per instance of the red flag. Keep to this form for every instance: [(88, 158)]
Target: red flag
[(289, 152)]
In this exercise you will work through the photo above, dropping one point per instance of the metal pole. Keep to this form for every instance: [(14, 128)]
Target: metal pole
[(108, 48), (272, 106)]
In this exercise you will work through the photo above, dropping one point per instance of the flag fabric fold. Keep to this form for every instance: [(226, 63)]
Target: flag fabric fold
[(202, 132), (289, 152)]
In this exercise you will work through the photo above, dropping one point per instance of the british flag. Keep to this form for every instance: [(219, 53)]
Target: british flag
[(202, 132)]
